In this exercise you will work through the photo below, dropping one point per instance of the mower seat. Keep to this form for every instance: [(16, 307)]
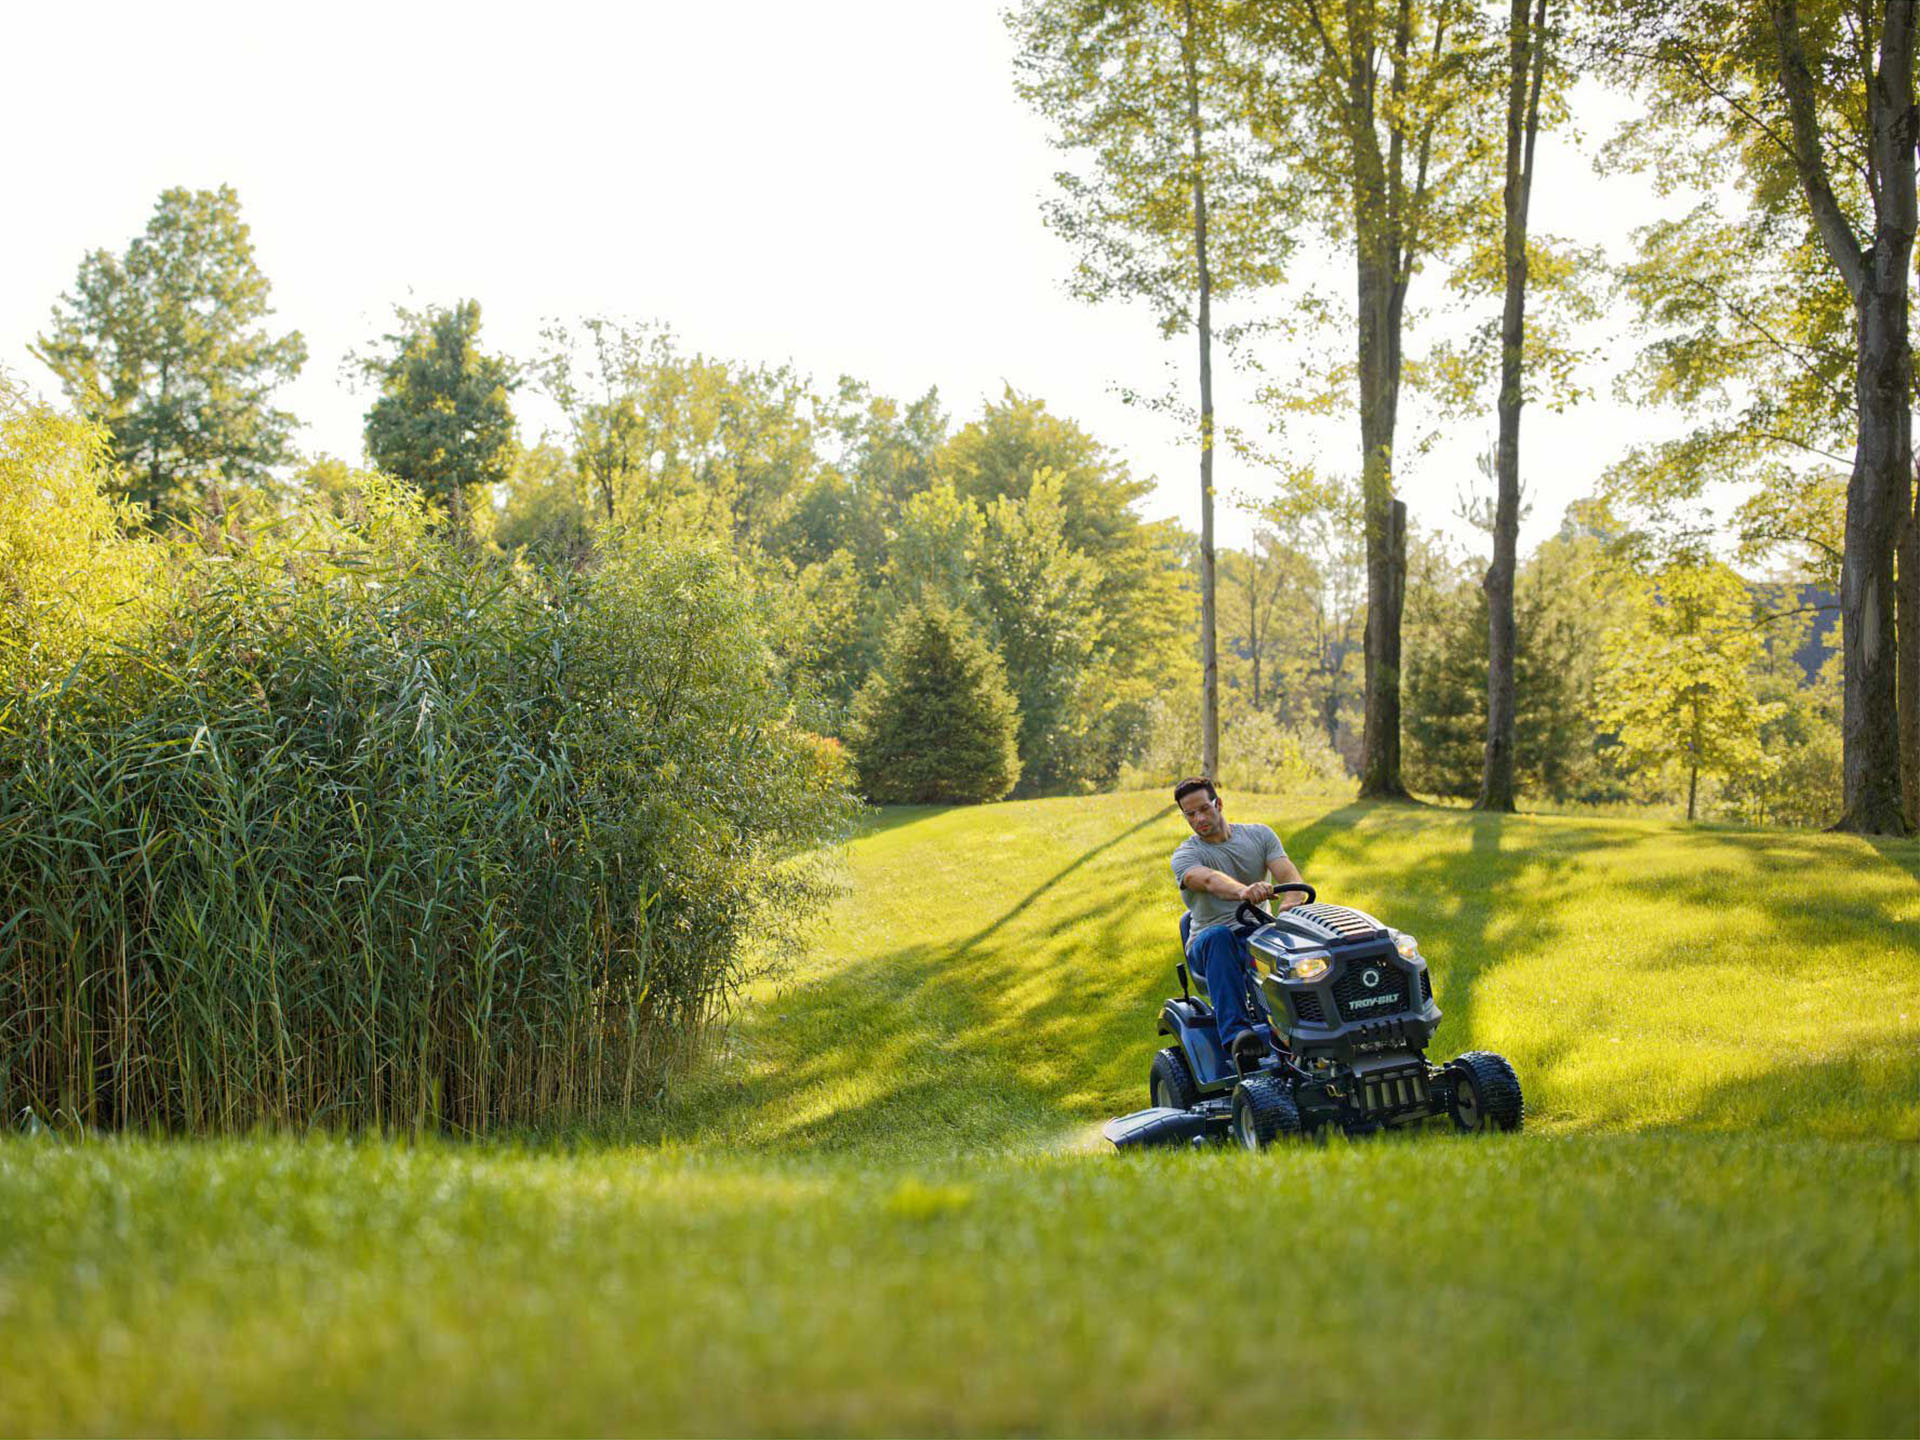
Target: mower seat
[(1190, 977), (1191, 980)]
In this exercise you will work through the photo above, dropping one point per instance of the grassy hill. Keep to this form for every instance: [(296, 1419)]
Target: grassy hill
[(886, 1210)]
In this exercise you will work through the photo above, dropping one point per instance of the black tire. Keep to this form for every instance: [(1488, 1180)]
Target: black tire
[(1486, 1094), (1263, 1112), (1170, 1082)]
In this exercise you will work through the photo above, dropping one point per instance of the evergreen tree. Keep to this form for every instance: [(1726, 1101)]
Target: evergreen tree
[(936, 724), (164, 348)]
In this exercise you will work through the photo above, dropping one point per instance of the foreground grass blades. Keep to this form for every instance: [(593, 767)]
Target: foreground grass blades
[(886, 1210), (1613, 1285)]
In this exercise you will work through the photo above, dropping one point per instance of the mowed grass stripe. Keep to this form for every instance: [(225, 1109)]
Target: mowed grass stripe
[(992, 977), (886, 1211)]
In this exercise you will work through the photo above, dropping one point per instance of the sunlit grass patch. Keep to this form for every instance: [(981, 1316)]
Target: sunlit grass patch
[(1009, 961), (885, 1209), (1588, 1284)]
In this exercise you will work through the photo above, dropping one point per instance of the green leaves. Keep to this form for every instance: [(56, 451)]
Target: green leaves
[(443, 421), (1674, 683), (380, 831), (936, 725), (164, 347)]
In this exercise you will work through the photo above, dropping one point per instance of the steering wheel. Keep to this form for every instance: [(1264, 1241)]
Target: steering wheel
[(1250, 914)]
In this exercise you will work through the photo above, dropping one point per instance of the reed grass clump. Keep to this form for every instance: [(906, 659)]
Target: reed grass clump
[(370, 830)]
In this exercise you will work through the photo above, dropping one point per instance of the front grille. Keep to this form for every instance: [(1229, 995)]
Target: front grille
[(1337, 918), (1306, 1008), (1403, 1090), (1388, 995), (1426, 986)]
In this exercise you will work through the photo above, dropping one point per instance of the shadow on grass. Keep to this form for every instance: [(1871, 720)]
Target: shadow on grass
[(877, 820), (1040, 1021)]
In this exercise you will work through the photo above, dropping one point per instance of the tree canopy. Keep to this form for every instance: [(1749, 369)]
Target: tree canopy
[(165, 346)]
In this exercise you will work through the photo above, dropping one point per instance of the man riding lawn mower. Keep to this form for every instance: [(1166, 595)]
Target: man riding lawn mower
[(1327, 1025)]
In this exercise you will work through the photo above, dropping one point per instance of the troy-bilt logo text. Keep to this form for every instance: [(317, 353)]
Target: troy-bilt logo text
[(1363, 1003)]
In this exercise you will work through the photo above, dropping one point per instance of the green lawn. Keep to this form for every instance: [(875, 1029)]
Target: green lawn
[(887, 1209)]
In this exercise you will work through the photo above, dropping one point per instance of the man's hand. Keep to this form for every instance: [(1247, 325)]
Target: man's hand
[(1258, 893)]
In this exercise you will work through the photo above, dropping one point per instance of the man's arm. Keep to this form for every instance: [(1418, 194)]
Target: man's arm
[(1218, 882), (1285, 872)]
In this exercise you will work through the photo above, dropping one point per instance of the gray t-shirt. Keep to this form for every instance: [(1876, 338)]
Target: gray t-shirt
[(1244, 855)]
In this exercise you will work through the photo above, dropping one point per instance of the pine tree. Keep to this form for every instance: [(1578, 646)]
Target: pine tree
[(936, 724)]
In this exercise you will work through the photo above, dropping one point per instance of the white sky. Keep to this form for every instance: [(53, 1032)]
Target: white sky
[(852, 187)]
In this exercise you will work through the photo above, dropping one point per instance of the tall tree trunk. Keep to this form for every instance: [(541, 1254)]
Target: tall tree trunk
[(1526, 64), (1907, 604), (1380, 763), (1386, 558), (1879, 487), (1384, 225), (1877, 505), (1209, 646)]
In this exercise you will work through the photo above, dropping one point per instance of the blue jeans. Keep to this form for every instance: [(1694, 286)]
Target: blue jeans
[(1221, 956)]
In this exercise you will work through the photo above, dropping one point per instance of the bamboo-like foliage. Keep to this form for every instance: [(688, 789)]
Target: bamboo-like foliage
[(376, 832)]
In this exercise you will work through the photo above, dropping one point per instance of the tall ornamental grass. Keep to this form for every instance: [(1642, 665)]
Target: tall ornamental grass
[(370, 830)]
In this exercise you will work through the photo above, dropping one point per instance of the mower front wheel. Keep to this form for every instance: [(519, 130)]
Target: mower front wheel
[(1170, 1082), (1263, 1112), (1486, 1093)]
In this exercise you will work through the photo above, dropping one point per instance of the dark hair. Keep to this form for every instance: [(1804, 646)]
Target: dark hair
[(1187, 787)]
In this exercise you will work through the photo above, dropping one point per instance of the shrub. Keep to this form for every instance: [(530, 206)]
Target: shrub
[(936, 724), (71, 579), (383, 833)]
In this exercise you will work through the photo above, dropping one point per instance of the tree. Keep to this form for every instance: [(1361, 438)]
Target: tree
[(1320, 519), (1141, 613), (678, 442), (1814, 108), (443, 421), (1175, 211), (164, 347), (930, 559), (1564, 605), (1259, 583), (546, 510), (1367, 105), (1676, 684), (1526, 68), (935, 724), (1799, 783), (613, 389), (1038, 595)]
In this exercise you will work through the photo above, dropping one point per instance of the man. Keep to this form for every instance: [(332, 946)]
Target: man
[(1217, 867)]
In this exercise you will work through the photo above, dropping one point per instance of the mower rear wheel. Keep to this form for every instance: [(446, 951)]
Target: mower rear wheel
[(1486, 1093), (1263, 1112), (1170, 1082)]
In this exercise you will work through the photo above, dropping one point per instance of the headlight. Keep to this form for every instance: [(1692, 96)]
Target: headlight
[(1405, 944), (1308, 967)]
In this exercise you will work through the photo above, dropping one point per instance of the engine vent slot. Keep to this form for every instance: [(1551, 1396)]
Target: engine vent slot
[(1307, 1008), (1426, 985), (1339, 919)]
